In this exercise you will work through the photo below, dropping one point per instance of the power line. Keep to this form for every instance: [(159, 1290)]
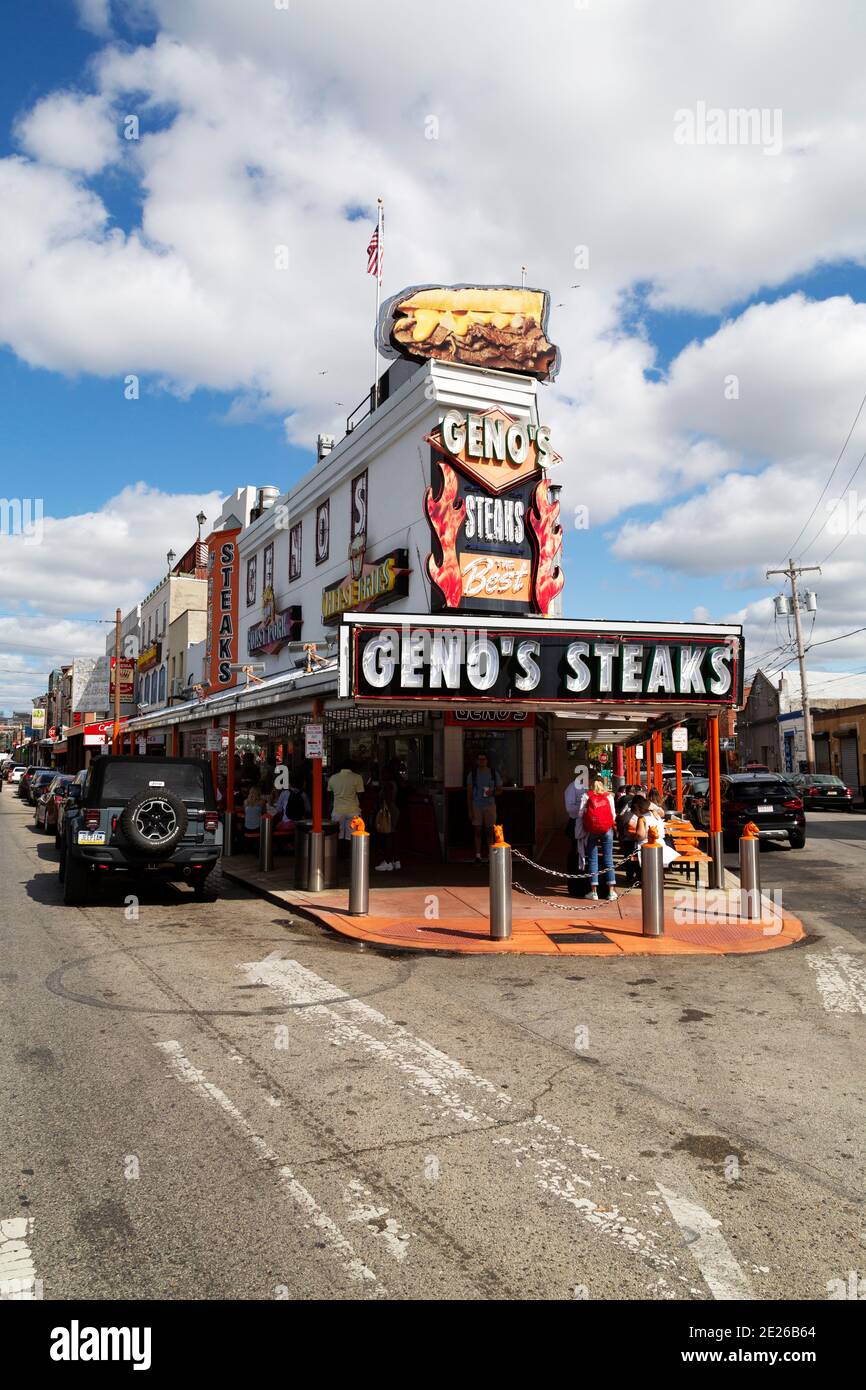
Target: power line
[(790, 548), (844, 490)]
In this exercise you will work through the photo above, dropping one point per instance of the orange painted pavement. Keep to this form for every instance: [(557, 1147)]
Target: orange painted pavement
[(397, 919)]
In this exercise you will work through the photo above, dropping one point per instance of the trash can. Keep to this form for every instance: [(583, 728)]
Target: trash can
[(303, 831)]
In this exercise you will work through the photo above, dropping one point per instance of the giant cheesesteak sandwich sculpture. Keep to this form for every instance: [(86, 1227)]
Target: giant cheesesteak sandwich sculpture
[(496, 326)]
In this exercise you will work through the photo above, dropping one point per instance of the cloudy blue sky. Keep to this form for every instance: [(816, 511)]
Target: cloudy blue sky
[(708, 298)]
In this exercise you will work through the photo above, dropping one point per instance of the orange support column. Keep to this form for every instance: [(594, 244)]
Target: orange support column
[(717, 874), (230, 768), (215, 759), (317, 778), (678, 758), (657, 764)]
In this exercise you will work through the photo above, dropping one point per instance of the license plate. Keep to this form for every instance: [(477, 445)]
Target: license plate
[(765, 808), (91, 837), (832, 793)]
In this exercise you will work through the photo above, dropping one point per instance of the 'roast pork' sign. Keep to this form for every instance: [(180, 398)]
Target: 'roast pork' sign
[(428, 662)]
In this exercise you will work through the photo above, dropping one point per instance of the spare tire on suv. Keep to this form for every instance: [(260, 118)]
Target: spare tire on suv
[(154, 821)]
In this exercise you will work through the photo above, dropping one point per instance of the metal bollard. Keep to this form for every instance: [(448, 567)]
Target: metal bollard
[(359, 882), (717, 867), (500, 887), (227, 834), (266, 844), (652, 888), (750, 873), (316, 870)]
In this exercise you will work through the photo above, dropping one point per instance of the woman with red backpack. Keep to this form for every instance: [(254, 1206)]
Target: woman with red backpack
[(598, 822)]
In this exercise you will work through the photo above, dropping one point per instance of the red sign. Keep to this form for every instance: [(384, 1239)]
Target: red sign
[(494, 523), (127, 680), (490, 718), (223, 565)]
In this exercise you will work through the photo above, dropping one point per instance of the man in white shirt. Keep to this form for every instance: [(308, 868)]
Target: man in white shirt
[(345, 786)]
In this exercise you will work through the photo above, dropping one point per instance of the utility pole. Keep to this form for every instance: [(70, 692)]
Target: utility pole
[(116, 738), (792, 574)]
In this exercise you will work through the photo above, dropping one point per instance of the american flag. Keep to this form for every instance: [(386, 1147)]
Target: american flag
[(375, 256)]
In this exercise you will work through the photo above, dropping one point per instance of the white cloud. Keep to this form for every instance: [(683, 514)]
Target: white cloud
[(88, 564), (95, 15), (70, 131), (554, 130)]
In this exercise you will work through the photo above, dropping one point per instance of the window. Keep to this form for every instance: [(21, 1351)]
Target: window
[(358, 513), (251, 580), (295, 552), (162, 683), (164, 612), (323, 531)]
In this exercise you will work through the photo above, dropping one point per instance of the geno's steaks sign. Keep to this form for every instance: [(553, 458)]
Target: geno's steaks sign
[(546, 663)]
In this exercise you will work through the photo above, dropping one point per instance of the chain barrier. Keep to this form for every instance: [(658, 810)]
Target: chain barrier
[(585, 905)]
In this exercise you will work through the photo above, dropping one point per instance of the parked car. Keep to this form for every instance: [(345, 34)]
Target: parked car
[(821, 792), (27, 781), (140, 817), (696, 803), (39, 784), (48, 803), (78, 780), (15, 773), (766, 799)]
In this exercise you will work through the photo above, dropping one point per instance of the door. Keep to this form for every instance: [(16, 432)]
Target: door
[(848, 760)]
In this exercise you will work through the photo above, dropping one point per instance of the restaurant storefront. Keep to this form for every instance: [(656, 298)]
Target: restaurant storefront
[(415, 615)]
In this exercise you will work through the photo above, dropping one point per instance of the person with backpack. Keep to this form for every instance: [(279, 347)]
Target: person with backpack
[(597, 822)]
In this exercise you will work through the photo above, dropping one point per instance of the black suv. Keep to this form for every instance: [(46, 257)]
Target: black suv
[(766, 799), (139, 816)]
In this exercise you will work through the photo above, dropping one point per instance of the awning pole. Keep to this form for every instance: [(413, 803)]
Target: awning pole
[(717, 867), (679, 763), (317, 778), (230, 769)]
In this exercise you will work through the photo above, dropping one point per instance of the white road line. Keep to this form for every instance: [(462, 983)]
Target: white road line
[(702, 1234), (841, 981), (427, 1067), (17, 1270), (547, 1152), (362, 1207), (332, 1237)]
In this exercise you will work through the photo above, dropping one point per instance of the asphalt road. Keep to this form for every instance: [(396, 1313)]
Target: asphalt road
[(216, 1099)]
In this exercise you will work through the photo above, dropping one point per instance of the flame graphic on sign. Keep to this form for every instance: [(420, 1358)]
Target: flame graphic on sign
[(446, 517), (543, 518)]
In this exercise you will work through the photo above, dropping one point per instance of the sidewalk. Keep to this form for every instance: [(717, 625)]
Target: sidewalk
[(452, 916)]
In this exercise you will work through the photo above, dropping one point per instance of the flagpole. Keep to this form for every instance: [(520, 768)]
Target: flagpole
[(380, 228)]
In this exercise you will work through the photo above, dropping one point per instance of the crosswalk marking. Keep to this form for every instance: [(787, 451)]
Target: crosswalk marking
[(841, 981)]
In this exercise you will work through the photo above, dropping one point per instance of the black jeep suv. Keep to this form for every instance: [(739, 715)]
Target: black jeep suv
[(139, 816)]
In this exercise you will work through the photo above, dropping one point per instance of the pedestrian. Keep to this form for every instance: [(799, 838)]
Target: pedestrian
[(253, 808), (645, 817), (597, 822), (345, 787), (482, 785), (385, 825), (575, 800)]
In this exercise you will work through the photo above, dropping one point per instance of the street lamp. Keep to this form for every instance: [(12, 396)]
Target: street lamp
[(201, 519), (171, 557)]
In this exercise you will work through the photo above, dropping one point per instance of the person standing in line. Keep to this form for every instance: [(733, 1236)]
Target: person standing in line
[(345, 787), (598, 822), (575, 801), (482, 785), (385, 825)]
